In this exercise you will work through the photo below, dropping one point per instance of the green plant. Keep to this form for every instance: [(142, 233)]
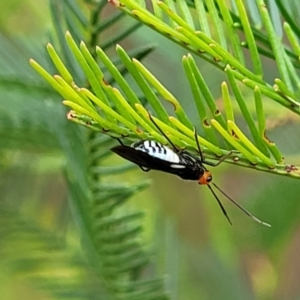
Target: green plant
[(123, 113), (102, 100)]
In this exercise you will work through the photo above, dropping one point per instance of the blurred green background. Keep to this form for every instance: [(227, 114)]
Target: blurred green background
[(202, 255)]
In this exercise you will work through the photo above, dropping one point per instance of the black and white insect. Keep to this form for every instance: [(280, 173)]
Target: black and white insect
[(151, 155)]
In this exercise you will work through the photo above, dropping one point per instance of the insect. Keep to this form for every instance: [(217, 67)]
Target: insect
[(151, 155)]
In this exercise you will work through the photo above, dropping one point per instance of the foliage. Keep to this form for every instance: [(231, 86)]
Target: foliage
[(112, 260)]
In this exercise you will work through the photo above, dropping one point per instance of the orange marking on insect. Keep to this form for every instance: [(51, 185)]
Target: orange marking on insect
[(206, 178)]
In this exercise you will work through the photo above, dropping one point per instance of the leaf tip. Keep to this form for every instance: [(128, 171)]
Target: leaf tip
[(256, 89), (227, 68), (32, 61)]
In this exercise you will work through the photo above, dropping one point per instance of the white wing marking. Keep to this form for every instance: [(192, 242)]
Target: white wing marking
[(158, 150), (177, 166)]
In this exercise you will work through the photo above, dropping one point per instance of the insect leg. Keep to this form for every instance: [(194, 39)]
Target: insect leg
[(198, 145), (144, 169), (120, 142), (168, 139), (202, 157), (219, 162)]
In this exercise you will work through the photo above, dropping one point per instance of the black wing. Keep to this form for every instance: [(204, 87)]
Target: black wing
[(148, 162)]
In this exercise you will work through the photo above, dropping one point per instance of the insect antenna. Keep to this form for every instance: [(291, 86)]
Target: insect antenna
[(238, 205), (220, 204)]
